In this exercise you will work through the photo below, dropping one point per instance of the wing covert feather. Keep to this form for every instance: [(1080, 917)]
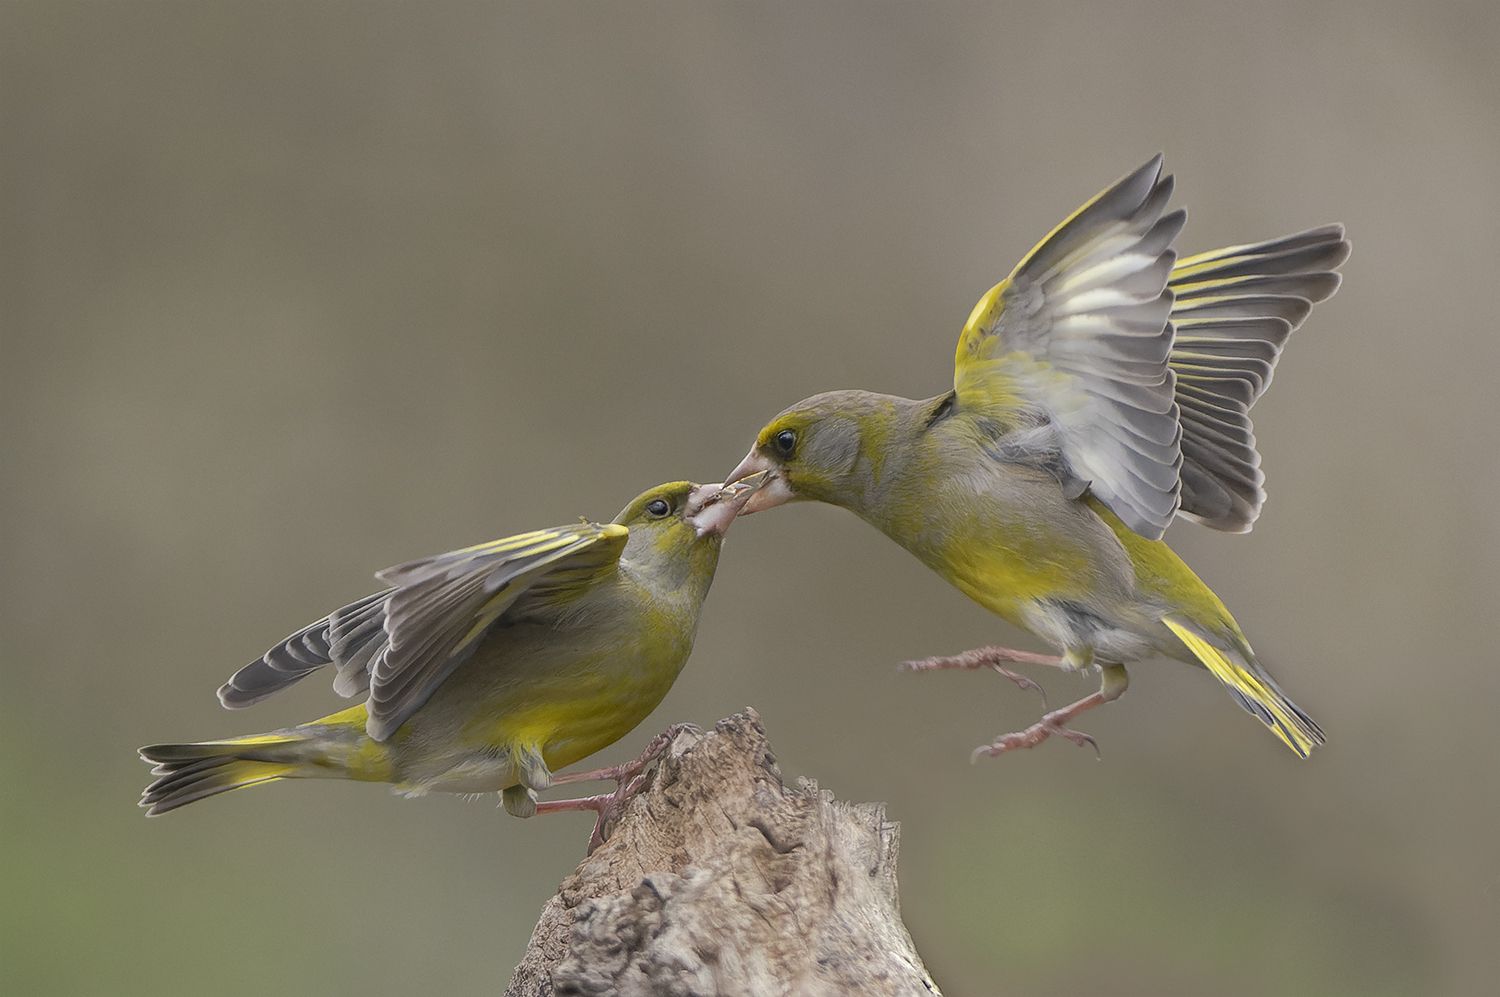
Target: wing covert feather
[(1078, 337), (398, 645)]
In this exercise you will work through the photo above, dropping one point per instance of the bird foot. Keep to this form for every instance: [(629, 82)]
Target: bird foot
[(629, 770), (1033, 736), (1112, 684), (629, 778), (993, 658), (607, 806)]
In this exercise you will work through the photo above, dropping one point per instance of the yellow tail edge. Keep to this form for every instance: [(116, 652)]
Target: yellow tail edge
[(1253, 689), (186, 773)]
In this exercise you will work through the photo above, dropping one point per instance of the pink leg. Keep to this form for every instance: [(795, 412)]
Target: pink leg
[(594, 803), (1112, 686), (629, 778), (606, 805), (991, 657), (627, 770)]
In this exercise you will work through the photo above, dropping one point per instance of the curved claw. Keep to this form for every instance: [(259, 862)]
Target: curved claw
[(1024, 681), (1079, 738), (660, 742), (613, 809)]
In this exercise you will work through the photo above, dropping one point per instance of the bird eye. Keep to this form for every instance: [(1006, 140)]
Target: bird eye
[(657, 508), (786, 442)]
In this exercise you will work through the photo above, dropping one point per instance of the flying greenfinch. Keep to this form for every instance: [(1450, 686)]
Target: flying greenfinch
[(1099, 391), (485, 669)]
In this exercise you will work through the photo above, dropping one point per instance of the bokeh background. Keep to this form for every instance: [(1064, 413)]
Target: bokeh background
[(294, 291)]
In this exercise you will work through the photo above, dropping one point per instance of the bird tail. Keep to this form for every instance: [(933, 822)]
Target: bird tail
[(186, 773), (1233, 310), (1252, 687)]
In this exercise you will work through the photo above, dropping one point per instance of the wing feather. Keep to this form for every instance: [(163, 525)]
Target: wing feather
[(1078, 336), (1145, 365), (398, 645), (1234, 310)]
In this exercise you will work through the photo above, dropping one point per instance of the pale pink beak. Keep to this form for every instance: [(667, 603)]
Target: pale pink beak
[(772, 492), (711, 508)]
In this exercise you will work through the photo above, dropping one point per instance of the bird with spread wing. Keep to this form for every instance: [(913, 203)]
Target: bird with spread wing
[(485, 669), (1100, 391)]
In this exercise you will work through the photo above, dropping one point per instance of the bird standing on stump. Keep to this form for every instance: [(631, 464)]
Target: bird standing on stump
[(487, 668)]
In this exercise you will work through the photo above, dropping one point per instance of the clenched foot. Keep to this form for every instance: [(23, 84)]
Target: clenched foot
[(1031, 737), (629, 778)]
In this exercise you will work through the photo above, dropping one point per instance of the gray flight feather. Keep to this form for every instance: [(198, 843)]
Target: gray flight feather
[(1235, 309), (299, 655), (1090, 304), (397, 646), (442, 605)]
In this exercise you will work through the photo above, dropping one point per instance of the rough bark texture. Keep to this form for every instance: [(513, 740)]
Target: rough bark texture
[(720, 881)]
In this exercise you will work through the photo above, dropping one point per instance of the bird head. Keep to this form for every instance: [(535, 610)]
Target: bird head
[(812, 449), (680, 517)]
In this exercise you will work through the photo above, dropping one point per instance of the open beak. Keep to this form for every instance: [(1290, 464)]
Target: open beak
[(718, 505), (773, 492)]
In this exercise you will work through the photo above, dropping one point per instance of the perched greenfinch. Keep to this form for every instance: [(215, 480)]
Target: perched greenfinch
[(485, 669), (1099, 391)]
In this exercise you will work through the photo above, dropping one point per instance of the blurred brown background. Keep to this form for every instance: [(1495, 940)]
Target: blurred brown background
[(295, 291)]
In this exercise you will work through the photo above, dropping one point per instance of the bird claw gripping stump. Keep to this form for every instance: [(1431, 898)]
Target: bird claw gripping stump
[(629, 778)]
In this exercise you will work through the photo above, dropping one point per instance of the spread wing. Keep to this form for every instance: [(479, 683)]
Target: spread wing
[(1077, 338), (400, 644), (1233, 311)]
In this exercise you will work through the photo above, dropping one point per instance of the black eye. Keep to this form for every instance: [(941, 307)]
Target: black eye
[(657, 508), (786, 442)]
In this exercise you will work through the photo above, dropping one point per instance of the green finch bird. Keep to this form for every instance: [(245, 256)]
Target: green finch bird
[(1099, 391), (485, 669)]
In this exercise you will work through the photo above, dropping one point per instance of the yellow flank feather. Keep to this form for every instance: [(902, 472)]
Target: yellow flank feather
[(1256, 692), (1160, 572)]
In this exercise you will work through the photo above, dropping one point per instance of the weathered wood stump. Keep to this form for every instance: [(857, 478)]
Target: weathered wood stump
[(719, 881)]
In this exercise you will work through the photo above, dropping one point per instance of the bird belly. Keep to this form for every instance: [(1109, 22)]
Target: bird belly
[(1010, 553), (478, 774), (566, 710), (594, 721), (1007, 537), (1068, 625)]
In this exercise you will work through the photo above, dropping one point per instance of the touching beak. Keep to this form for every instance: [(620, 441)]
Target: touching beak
[(773, 492), (718, 505)]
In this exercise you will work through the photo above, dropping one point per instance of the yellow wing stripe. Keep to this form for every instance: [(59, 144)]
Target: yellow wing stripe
[(1242, 680), (1193, 265), (518, 541), (987, 310), (984, 315), (570, 540)]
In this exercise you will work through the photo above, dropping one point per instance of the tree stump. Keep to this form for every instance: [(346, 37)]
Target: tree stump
[(719, 881)]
